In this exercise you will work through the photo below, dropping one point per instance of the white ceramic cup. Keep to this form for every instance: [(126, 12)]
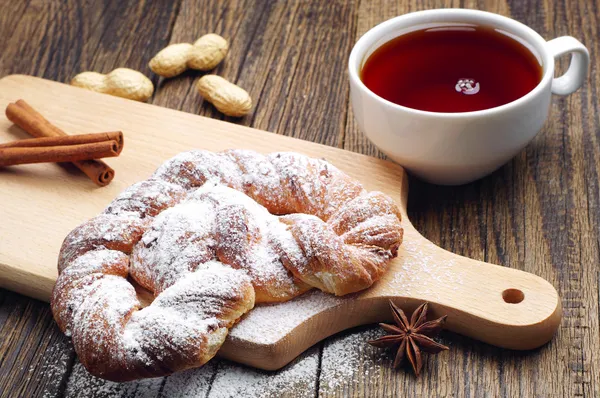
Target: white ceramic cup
[(456, 148)]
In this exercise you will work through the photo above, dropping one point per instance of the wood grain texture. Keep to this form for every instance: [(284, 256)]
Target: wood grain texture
[(539, 213)]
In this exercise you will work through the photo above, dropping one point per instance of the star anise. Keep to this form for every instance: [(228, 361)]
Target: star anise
[(411, 337)]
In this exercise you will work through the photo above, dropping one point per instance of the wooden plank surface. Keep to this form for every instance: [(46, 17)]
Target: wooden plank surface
[(540, 213)]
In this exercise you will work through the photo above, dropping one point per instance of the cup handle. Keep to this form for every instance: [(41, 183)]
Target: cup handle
[(580, 61)]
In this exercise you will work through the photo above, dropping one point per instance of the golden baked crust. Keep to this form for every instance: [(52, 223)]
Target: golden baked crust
[(210, 234)]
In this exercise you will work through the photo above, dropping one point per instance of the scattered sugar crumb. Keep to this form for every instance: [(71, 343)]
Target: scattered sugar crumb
[(54, 368), (83, 384), (348, 357), (190, 383), (238, 381)]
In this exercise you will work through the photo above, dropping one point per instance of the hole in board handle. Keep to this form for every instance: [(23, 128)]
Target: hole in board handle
[(513, 296)]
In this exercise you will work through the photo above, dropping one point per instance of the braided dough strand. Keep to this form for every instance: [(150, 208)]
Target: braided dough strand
[(217, 222)]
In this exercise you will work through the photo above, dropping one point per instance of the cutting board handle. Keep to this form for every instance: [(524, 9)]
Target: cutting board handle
[(502, 306), (499, 305)]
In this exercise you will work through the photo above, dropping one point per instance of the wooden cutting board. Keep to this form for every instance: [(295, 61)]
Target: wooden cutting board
[(40, 204)]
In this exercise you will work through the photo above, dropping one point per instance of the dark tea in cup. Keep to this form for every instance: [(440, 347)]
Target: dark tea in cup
[(453, 68)]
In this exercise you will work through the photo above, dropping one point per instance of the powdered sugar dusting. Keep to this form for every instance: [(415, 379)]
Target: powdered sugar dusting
[(189, 319), (269, 323), (145, 199), (348, 359), (260, 180), (191, 383), (299, 378), (98, 321), (83, 384), (52, 369), (178, 239), (217, 222), (192, 169), (80, 279), (303, 176), (420, 271), (250, 238)]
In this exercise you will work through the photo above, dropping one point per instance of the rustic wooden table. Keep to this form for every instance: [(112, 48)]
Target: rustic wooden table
[(539, 213)]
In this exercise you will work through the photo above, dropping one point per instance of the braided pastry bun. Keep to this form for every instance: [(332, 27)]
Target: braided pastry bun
[(211, 234)]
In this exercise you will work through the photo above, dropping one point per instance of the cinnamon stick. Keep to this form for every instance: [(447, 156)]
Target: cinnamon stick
[(24, 116), (115, 136), (66, 153)]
